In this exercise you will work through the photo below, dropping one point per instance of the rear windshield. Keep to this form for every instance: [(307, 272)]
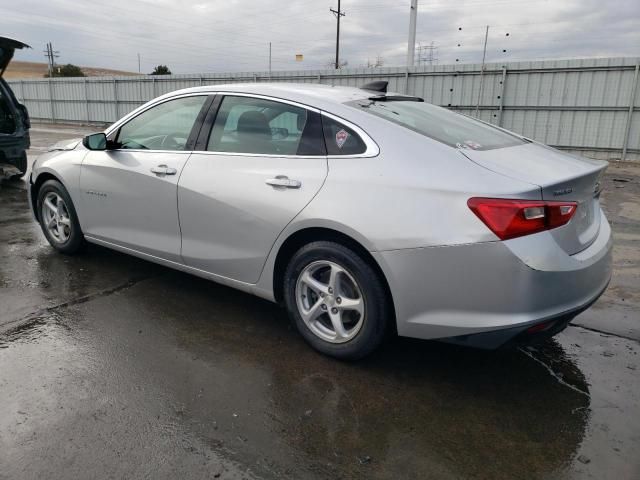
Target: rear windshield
[(450, 128)]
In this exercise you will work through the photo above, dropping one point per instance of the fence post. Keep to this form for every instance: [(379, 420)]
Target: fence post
[(140, 96), (115, 98), (22, 90), (86, 100), (53, 116), (406, 81), (632, 100), (502, 87)]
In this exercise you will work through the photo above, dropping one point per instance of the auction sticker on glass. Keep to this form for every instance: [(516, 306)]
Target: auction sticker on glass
[(341, 137)]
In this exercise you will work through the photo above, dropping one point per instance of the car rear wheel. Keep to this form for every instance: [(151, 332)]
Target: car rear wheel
[(336, 299), (58, 218)]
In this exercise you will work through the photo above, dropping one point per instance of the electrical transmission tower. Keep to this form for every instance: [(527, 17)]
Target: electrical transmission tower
[(427, 54), (338, 13), (51, 55), (379, 62)]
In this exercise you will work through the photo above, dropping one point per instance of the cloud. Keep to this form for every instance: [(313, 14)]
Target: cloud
[(215, 36)]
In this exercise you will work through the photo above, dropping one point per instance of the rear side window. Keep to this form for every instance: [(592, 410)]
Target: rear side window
[(340, 139), (259, 126), (440, 124)]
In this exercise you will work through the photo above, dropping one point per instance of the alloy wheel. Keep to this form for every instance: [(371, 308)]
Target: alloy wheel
[(55, 215), (330, 301)]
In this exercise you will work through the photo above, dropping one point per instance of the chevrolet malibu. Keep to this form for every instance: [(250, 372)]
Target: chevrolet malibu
[(363, 212)]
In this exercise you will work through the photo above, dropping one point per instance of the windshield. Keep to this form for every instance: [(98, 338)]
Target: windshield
[(440, 124)]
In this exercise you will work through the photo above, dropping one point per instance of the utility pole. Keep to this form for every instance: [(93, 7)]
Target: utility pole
[(48, 55), (411, 47), (139, 71), (51, 55), (484, 56), (54, 55), (338, 13), (269, 60)]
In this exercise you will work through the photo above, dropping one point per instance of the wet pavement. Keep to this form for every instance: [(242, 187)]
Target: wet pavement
[(112, 367)]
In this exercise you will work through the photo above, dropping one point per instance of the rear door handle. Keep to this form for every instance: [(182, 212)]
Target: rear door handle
[(283, 181), (163, 170)]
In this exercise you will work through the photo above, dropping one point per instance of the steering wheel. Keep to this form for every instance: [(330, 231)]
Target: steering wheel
[(171, 142)]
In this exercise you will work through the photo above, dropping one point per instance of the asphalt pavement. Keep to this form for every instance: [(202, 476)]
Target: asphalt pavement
[(113, 367)]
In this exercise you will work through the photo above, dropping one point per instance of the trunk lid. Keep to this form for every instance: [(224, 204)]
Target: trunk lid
[(560, 177), (7, 47)]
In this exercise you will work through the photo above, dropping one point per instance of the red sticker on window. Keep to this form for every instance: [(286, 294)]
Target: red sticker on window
[(473, 145), (341, 137)]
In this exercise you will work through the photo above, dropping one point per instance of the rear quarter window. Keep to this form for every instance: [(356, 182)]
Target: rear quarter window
[(340, 139)]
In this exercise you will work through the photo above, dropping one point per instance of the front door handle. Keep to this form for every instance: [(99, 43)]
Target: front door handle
[(283, 181), (163, 170)]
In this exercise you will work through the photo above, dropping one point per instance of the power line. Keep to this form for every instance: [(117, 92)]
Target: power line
[(484, 57), (338, 13)]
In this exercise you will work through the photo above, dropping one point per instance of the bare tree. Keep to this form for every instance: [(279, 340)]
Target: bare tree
[(332, 64)]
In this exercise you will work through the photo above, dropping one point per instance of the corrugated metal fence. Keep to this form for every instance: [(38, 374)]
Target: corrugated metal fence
[(590, 106)]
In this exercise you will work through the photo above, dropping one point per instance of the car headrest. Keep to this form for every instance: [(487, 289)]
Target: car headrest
[(302, 119), (254, 122)]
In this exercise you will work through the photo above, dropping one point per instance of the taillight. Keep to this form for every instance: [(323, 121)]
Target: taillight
[(515, 218)]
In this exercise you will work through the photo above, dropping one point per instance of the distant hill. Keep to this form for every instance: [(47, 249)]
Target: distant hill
[(18, 69)]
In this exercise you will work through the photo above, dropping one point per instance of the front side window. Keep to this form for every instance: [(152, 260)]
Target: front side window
[(164, 127), (440, 124), (258, 126)]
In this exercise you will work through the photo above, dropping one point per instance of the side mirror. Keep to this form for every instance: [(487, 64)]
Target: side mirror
[(95, 141)]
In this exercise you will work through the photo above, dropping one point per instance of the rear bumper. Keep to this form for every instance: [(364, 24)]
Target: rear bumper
[(527, 333), (462, 291)]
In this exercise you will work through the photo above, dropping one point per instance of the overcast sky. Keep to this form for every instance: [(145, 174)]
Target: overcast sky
[(231, 35)]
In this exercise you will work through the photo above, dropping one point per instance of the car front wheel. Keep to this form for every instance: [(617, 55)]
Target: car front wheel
[(58, 218), (336, 299)]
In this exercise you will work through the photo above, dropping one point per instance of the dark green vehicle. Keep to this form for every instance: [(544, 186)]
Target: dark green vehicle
[(14, 118)]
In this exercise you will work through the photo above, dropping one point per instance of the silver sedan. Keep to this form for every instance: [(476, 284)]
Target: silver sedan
[(363, 212)]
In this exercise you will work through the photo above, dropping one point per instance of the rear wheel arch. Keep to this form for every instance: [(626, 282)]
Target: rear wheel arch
[(305, 236)]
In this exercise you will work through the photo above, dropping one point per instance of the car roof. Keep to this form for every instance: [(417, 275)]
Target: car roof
[(314, 95)]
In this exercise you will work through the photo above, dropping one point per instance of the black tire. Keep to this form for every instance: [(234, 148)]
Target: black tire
[(75, 241), (377, 305)]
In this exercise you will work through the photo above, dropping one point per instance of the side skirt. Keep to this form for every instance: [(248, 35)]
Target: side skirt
[(229, 282)]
